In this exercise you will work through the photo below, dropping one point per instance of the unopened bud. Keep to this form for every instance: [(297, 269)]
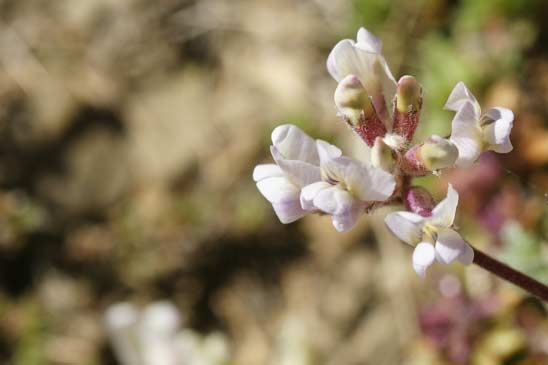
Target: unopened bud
[(351, 98), (382, 155), (411, 162), (355, 105), (434, 154), (418, 200), (438, 153), (407, 107)]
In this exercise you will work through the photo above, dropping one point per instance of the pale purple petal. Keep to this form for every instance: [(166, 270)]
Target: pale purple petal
[(309, 192), (300, 173), (264, 171), (459, 96), (289, 211), (450, 246), (497, 133), (327, 151), (334, 201), (444, 212), (378, 185), (294, 144), (423, 256), (467, 255), (342, 60), (278, 190), (368, 42), (466, 135), (405, 225), (345, 221)]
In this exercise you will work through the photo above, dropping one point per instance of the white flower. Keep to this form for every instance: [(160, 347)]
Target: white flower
[(347, 188), (473, 132), (297, 165), (433, 236), (364, 60)]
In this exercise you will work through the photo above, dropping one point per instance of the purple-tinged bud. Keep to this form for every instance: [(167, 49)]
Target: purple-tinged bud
[(418, 200), (407, 107), (357, 109), (434, 154), (411, 163)]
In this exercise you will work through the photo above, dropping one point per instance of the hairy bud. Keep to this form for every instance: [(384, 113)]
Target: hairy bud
[(407, 107), (418, 200), (355, 105), (434, 154)]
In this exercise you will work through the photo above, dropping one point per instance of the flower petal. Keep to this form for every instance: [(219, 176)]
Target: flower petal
[(327, 151), (334, 201), (345, 221), (299, 172), (377, 184), (405, 225), (443, 214), (368, 42), (294, 144), (278, 190), (459, 96), (366, 183), (466, 135), (497, 133), (467, 256), (450, 246), (342, 60), (500, 112), (309, 192), (423, 256), (264, 171), (288, 212)]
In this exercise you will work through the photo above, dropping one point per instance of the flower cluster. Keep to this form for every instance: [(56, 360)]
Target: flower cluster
[(312, 176), (153, 336)]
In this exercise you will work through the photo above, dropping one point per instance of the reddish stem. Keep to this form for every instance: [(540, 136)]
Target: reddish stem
[(507, 273)]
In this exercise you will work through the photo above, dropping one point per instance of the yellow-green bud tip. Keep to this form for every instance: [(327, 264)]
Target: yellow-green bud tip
[(409, 93)]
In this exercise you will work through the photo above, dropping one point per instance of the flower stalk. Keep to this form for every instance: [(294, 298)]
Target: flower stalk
[(507, 273)]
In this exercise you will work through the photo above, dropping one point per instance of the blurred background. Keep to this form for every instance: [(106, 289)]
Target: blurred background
[(128, 133)]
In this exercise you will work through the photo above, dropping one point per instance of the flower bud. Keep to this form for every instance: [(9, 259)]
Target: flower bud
[(382, 155), (407, 107), (418, 200), (438, 153), (355, 105), (434, 154), (351, 98)]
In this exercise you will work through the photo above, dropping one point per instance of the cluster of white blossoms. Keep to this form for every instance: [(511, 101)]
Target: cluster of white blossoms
[(153, 336), (312, 176)]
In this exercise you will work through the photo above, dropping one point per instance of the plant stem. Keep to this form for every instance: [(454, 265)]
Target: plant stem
[(505, 272)]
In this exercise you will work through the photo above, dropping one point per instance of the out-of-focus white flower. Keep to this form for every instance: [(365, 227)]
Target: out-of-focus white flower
[(473, 132), (347, 188), (363, 59), (432, 236), (153, 336), (297, 165)]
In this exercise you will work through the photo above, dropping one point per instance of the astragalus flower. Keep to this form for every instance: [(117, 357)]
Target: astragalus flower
[(297, 165), (433, 236), (348, 187), (473, 132), (363, 58), (313, 177)]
